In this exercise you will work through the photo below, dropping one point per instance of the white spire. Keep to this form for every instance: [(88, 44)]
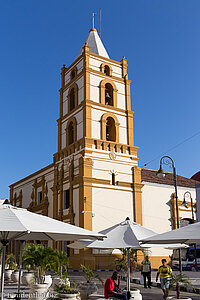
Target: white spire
[(95, 44)]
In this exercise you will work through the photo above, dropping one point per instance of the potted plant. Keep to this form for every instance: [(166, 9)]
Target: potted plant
[(122, 263), (135, 294), (60, 267), (40, 259), (28, 275), (176, 281), (66, 292), (11, 265), (89, 287)]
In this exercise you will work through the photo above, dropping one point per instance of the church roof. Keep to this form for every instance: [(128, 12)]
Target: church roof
[(95, 44), (149, 175)]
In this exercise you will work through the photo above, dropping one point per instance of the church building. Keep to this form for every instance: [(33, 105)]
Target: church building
[(94, 180)]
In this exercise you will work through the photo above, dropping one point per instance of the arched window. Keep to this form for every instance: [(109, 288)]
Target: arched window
[(110, 129), (113, 178), (108, 94), (73, 73), (107, 70), (71, 133), (72, 99)]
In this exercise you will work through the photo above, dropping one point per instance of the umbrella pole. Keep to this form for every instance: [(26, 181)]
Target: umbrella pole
[(4, 243), (128, 278), (20, 268)]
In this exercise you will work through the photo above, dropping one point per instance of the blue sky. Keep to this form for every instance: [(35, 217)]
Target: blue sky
[(160, 39)]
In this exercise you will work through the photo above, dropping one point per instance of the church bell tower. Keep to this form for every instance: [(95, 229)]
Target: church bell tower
[(96, 162)]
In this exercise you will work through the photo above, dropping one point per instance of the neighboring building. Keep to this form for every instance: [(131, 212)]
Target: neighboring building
[(198, 200), (196, 176), (159, 205), (94, 180), (2, 201)]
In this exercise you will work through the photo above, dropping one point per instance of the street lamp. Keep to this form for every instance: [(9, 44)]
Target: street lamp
[(167, 160), (189, 195)]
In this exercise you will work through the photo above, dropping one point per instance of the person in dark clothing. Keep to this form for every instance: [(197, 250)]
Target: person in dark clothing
[(111, 288), (146, 271)]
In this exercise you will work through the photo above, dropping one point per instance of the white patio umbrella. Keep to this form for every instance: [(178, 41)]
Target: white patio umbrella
[(89, 244), (21, 224), (126, 234), (189, 234)]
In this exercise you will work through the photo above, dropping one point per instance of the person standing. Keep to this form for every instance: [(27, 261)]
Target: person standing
[(165, 274), (146, 271)]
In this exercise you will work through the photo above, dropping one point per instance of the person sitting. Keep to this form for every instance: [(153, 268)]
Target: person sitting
[(111, 288)]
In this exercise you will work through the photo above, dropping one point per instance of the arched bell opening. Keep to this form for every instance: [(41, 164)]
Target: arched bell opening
[(72, 99), (110, 129), (113, 179), (73, 73), (107, 70), (71, 133), (108, 94)]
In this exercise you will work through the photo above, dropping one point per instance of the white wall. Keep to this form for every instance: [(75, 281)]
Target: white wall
[(111, 206), (103, 167), (156, 208), (198, 201)]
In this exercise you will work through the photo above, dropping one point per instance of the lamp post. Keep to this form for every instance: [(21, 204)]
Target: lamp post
[(167, 160), (187, 194)]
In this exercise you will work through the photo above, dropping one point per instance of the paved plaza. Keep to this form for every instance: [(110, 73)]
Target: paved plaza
[(147, 294)]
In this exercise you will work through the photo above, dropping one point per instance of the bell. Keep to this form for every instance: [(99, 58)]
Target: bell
[(107, 95)]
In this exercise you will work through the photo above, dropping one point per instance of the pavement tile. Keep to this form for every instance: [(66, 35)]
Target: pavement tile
[(155, 293)]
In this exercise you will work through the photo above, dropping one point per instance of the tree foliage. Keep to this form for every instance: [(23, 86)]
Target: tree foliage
[(38, 258), (176, 280), (90, 275)]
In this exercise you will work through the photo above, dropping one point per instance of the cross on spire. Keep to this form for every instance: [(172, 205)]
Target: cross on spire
[(93, 16)]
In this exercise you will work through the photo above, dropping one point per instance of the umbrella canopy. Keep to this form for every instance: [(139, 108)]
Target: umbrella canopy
[(126, 234), (89, 244), (21, 224), (189, 234)]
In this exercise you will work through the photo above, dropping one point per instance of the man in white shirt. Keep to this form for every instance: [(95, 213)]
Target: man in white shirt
[(146, 271)]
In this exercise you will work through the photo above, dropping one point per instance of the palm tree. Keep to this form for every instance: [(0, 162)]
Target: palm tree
[(176, 279), (61, 264), (40, 259)]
